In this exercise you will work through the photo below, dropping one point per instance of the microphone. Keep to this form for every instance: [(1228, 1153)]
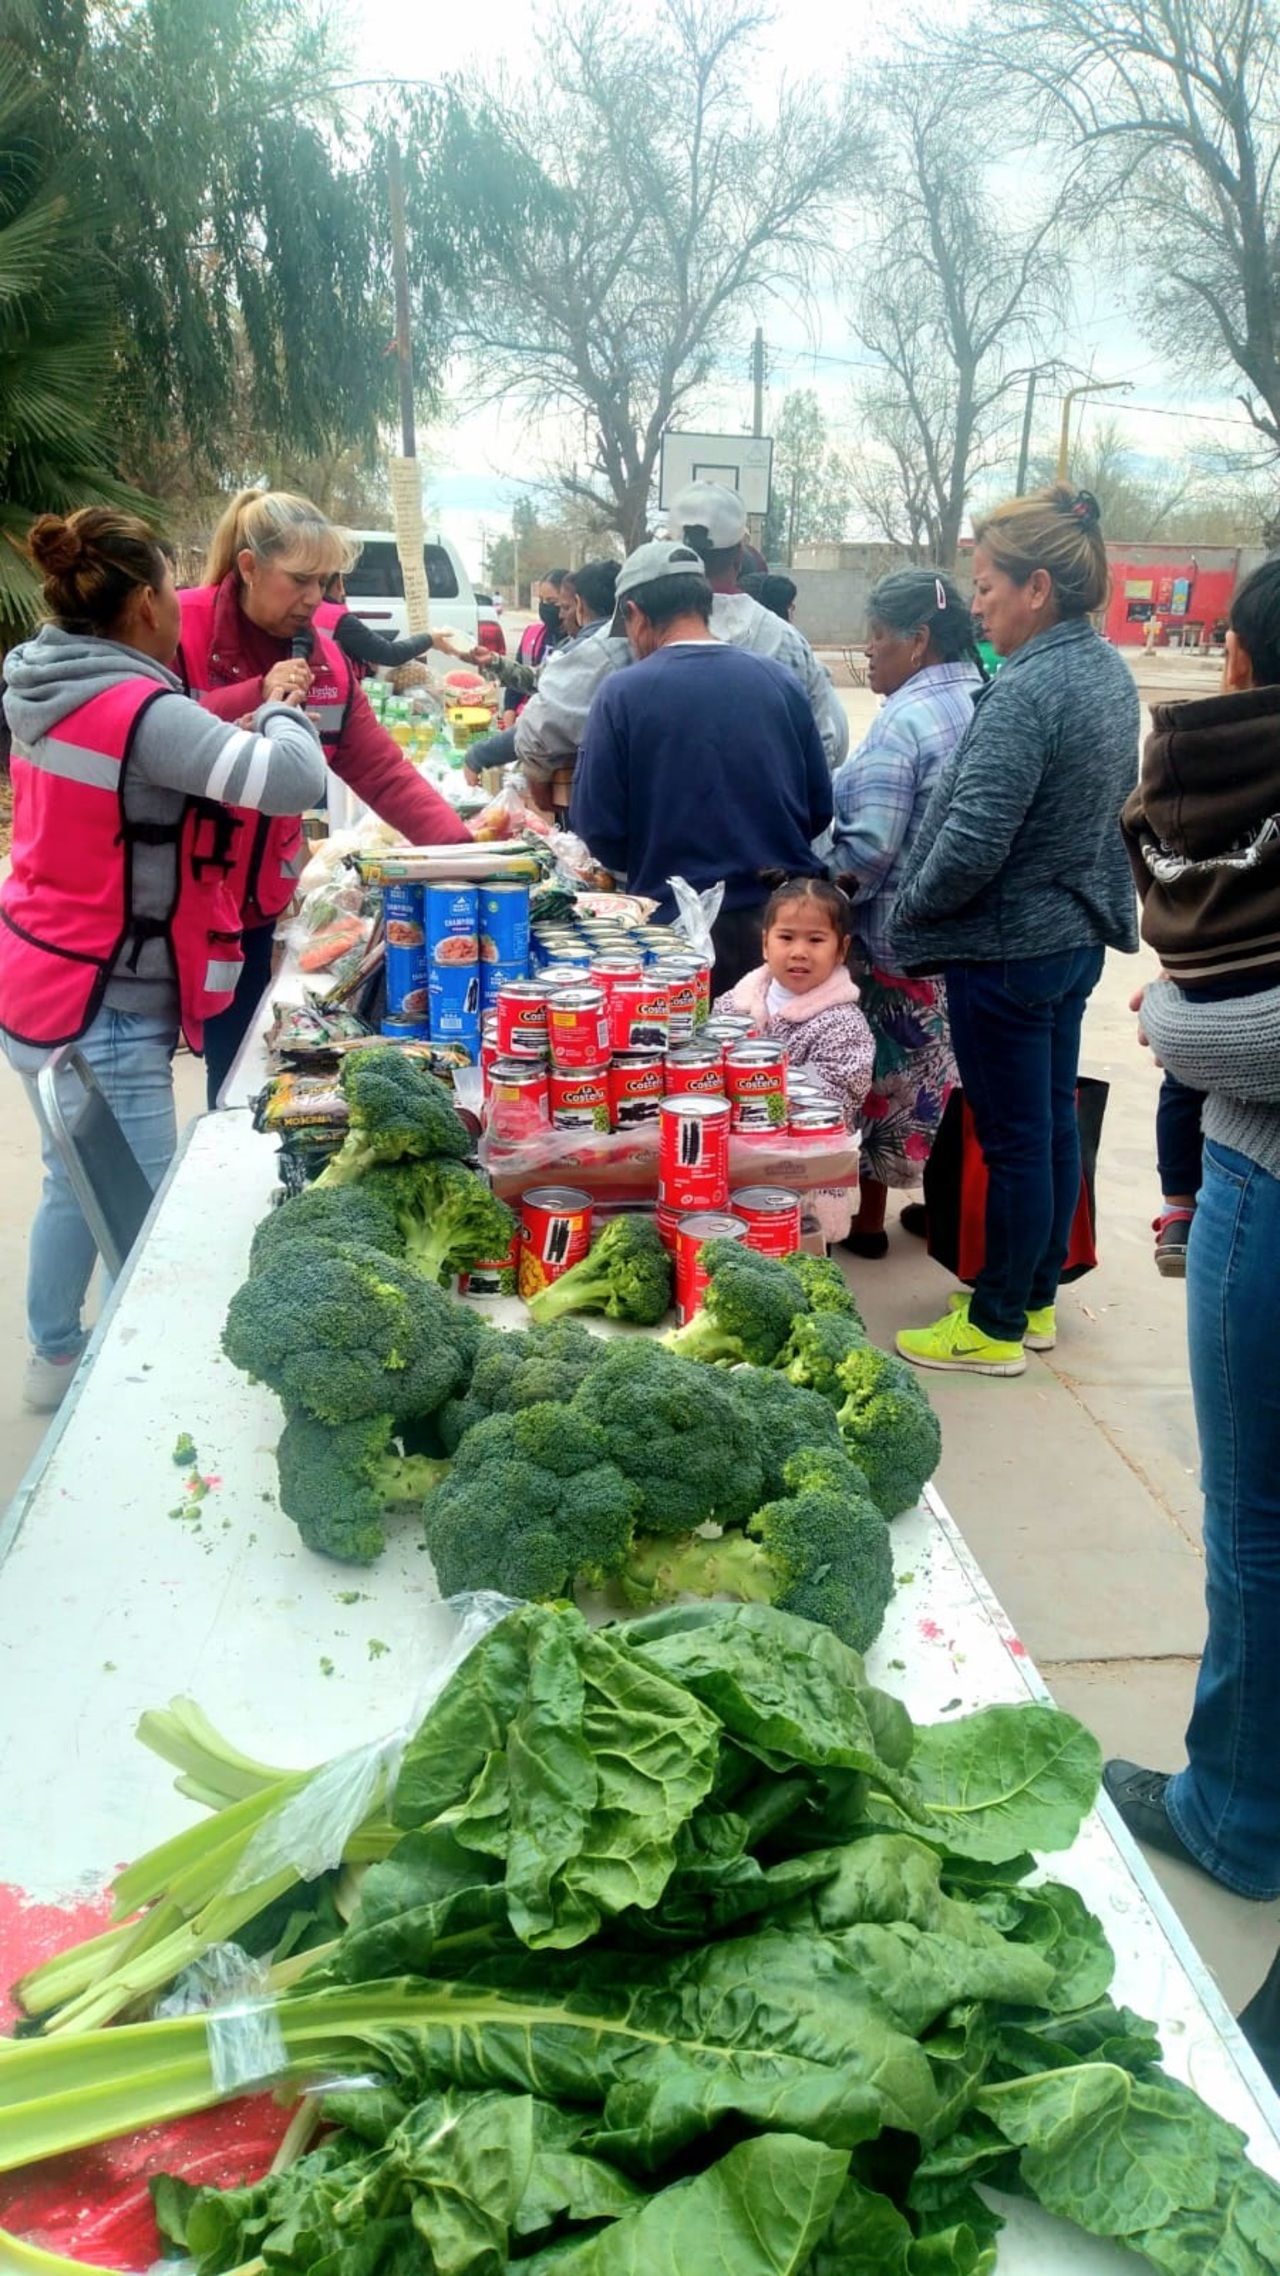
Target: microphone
[(301, 644)]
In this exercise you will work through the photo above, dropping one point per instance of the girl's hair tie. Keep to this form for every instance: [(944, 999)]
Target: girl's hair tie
[(1085, 509)]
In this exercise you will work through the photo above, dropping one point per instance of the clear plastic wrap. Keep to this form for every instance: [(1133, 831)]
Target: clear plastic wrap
[(697, 914), (233, 1992), (622, 1165)]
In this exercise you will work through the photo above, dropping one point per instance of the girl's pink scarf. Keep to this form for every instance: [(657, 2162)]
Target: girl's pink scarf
[(752, 991)]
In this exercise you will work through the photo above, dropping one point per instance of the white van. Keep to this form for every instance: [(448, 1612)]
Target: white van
[(375, 586)]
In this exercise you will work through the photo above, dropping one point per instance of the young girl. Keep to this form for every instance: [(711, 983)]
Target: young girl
[(802, 996)]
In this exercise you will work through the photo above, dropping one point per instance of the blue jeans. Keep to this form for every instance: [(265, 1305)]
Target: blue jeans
[(1015, 1032), (1178, 1140), (132, 1058), (226, 1031), (1226, 1804)]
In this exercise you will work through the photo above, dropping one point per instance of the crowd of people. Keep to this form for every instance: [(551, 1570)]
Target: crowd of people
[(933, 909)]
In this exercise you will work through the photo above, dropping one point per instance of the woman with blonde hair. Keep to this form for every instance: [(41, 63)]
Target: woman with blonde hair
[(118, 930), (249, 636), (1016, 886)]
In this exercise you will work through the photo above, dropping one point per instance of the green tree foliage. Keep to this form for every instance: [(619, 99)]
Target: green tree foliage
[(813, 495)]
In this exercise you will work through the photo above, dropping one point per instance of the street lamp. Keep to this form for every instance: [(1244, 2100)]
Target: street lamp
[(1086, 387)]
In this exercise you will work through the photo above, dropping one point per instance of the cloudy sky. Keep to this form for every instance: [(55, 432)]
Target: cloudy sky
[(482, 458)]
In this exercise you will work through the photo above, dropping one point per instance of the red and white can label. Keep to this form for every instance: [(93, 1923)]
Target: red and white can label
[(668, 1222), (755, 1076), (636, 1083), (608, 972), (693, 1152), (699, 1226), (640, 1016), (699, 1069), (519, 1098), (817, 1117), (772, 1218), (578, 1027), (555, 1233), (680, 979), (522, 1019), (496, 1276), (580, 1098)]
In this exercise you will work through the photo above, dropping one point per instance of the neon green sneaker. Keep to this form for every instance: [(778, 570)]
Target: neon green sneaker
[(954, 1344), (1040, 1333)]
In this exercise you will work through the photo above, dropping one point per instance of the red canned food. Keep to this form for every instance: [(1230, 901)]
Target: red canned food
[(578, 1027), (823, 1116), (488, 1053), (608, 969), (755, 1076), (772, 1218), (496, 1276), (692, 1231), (693, 1152), (519, 1098), (636, 1082), (704, 994), (668, 1222), (698, 1068), (522, 1019), (679, 977), (640, 1015), (580, 1098), (555, 1232)]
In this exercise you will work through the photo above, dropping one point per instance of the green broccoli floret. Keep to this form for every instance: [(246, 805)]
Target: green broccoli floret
[(747, 1311), (785, 1421), (818, 1343), (888, 1426), (532, 1501), (820, 1551), (626, 1275), (678, 1431), (521, 1369), (350, 1332), (398, 1113), (341, 1213), (824, 1284), (447, 1218), (335, 1484)]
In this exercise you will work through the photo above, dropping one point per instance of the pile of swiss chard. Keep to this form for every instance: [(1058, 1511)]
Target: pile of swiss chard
[(681, 1950)]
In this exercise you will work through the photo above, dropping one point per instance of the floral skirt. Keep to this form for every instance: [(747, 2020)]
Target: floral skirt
[(914, 1073)]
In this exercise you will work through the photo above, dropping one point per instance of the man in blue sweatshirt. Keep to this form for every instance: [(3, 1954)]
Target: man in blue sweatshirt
[(703, 761)]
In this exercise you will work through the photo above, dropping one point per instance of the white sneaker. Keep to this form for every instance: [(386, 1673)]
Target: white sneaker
[(47, 1382)]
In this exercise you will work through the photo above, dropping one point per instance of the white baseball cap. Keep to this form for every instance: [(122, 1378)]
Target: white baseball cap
[(711, 506)]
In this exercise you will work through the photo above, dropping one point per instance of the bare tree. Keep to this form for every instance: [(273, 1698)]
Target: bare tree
[(955, 300), (683, 210), (1139, 499), (813, 494), (1174, 104)]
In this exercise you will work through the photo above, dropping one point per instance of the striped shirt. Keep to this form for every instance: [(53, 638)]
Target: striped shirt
[(881, 792)]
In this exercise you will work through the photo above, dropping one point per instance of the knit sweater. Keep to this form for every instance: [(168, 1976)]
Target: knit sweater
[(1019, 854), (1232, 1051), (822, 1030)]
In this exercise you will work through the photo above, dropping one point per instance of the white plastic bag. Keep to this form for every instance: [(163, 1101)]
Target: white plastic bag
[(697, 914)]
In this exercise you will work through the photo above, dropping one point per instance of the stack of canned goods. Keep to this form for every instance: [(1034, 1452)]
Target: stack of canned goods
[(450, 948)]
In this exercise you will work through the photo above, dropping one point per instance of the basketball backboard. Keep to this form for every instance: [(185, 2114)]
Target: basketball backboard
[(741, 462)]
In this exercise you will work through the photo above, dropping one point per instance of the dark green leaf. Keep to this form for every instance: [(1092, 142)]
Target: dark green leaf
[(759, 2212)]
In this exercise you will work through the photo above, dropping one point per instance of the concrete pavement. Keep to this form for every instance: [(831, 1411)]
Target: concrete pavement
[(1074, 1484)]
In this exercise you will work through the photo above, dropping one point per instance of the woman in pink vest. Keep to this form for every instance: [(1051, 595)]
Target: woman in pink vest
[(248, 634), (118, 923)]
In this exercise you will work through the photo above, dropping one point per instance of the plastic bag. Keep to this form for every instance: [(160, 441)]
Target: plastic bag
[(246, 2044), (697, 914)]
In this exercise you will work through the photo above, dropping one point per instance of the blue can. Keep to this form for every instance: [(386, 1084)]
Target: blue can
[(406, 1030), (504, 928), (406, 951), (495, 976), (453, 948)]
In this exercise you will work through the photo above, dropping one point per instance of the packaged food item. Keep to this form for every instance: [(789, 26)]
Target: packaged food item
[(698, 1068), (399, 1030), (771, 1215), (610, 965), (756, 1081), (640, 1015), (668, 1222), (580, 1098), (496, 1276), (522, 1019), (519, 1098), (452, 919), (819, 1117), (493, 979), (333, 941), (555, 1233), (578, 1027), (405, 935), (504, 927), (636, 1085), (693, 1152), (679, 976), (691, 1278)]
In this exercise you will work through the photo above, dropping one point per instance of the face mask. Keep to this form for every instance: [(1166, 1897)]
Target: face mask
[(549, 611)]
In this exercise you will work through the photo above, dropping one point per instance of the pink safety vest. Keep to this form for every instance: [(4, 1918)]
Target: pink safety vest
[(268, 850), (65, 916)]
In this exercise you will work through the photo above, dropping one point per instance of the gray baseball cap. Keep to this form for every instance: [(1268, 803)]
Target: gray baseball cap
[(661, 557)]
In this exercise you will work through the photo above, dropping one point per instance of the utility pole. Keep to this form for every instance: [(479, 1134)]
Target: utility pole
[(757, 375), (400, 280), (1086, 387), (1024, 448)]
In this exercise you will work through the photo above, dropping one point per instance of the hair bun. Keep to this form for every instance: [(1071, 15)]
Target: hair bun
[(1085, 509), (55, 546)]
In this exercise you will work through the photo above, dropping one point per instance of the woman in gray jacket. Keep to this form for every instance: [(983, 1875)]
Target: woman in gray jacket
[(1016, 886)]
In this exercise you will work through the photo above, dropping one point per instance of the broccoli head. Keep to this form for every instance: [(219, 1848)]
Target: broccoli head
[(398, 1112), (344, 1213), (531, 1502), (747, 1310), (336, 1483), (447, 1218), (824, 1284), (818, 1342), (785, 1421), (521, 1369), (888, 1426), (678, 1431), (349, 1332), (627, 1276)]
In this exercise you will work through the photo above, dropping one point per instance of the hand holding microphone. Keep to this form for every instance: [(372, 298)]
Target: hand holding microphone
[(291, 682)]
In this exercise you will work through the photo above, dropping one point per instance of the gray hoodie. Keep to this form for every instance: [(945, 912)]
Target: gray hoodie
[(178, 752), (550, 729)]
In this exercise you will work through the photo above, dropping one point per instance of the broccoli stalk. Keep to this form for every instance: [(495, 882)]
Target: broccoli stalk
[(448, 1219), (398, 1113), (748, 1310), (336, 1483), (627, 1276), (660, 1570)]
